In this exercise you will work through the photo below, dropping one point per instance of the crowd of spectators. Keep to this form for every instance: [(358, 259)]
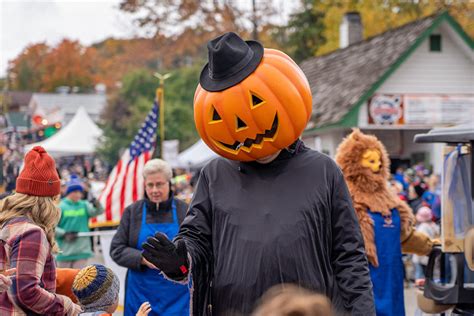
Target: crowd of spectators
[(421, 189)]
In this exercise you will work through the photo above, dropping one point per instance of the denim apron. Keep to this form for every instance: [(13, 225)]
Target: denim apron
[(387, 278), (148, 285)]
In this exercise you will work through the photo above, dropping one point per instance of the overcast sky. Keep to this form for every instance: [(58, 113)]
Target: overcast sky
[(23, 22), (29, 21)]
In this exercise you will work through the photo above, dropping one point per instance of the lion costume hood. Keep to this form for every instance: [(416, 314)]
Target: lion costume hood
[(370, 191)]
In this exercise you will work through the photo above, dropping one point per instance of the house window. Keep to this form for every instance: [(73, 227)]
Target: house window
[(435, 43)]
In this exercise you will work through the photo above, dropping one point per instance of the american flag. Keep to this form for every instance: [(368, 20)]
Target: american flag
[(125, 183)]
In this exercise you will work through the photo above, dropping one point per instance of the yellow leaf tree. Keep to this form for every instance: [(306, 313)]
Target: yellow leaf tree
[(381, 15)]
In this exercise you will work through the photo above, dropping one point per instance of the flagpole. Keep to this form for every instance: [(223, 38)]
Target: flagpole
[(160, 98)]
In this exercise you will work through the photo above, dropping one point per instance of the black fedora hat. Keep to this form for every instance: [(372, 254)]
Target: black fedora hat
[(231, 60)]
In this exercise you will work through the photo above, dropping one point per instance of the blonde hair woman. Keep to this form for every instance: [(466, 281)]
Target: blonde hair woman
[(27, 221)]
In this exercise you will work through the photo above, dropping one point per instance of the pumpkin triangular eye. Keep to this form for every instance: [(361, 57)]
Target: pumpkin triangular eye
[(240, 124), (256, 100), (215, 115)]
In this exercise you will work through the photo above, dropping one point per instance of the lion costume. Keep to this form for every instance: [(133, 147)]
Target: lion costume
[(384, 219)]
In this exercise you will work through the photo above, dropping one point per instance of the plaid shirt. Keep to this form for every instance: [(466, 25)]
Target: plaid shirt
[(24, 245)]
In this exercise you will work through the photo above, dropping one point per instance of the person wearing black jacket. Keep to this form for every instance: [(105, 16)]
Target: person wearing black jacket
[(161, 212), (282, 216)]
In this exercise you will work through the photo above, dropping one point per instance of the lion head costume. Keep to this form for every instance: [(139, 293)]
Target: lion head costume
[(367, 186), (366, 168)]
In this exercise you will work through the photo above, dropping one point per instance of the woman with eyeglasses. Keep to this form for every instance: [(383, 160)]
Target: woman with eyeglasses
[(158, 211)]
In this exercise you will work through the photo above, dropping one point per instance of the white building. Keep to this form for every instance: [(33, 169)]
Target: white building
[(61, 107), (394, 85)]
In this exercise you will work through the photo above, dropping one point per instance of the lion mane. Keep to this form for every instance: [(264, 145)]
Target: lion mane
[(369, 190)]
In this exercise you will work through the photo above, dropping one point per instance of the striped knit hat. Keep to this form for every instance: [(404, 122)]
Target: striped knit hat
[(96, 287)]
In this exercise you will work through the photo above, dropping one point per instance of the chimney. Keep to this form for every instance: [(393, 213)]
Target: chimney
[(350, 30)]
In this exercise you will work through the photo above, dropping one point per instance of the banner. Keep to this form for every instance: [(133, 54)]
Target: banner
[(423, 109)]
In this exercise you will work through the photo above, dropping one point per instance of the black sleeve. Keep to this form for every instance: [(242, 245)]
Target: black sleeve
[(121, 251), (196, 231), (181, 209), (348, 255)]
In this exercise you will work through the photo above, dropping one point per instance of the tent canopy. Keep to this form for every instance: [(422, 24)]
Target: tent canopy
[(196, 156), (79, 137)]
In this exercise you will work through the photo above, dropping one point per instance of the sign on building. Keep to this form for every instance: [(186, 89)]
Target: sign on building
[(420, 109)]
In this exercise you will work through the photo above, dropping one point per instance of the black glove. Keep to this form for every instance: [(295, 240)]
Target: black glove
[(70, 236), (170, 258)]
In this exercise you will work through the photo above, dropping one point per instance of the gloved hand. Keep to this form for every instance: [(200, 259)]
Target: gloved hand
[(170, 258), (95, 202), (70, 236)]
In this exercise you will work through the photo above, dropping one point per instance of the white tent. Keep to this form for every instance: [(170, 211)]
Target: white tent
[(78, 137), (196, 156)]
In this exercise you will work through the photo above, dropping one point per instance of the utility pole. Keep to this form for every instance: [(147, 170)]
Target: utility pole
[(3, 149), (254, 18), (160, 99)]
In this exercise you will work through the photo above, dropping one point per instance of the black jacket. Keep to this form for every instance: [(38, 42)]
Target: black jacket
[(123, 248), (251, 226)]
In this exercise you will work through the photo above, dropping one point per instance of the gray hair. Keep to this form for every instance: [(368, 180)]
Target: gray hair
[(157, 166)]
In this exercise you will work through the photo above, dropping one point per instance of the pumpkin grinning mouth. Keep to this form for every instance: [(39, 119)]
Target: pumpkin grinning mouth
[(269, 133)]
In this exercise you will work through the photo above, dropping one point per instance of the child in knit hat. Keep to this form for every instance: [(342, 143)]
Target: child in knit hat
[(75, 215), (97, 289)]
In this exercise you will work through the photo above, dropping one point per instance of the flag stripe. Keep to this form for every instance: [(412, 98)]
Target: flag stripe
[(108, 205), (125, 183), (123, 189)]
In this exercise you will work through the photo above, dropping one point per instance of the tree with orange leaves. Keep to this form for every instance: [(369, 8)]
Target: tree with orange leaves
[(69, 64), (42, 68), (26, 71)]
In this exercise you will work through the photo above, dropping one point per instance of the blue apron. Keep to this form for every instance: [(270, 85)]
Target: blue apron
[(388, 277), (148, 285)]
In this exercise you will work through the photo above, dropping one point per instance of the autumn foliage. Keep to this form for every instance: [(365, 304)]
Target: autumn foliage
[(179, 31)]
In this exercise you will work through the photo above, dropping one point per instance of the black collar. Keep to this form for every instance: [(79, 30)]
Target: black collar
[(282, 158), (163, 206)]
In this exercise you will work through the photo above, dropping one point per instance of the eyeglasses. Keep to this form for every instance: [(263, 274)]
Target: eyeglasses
[(158, 185)]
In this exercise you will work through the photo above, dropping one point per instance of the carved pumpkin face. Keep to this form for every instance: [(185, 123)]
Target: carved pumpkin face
[(262, 114)]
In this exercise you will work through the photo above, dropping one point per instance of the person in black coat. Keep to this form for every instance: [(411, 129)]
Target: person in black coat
[(161, 212), (272, 211)]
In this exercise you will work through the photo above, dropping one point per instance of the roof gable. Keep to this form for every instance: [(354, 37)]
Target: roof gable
[(341, 81)]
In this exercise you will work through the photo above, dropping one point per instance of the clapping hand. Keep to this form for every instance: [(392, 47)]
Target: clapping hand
[(5, 280)]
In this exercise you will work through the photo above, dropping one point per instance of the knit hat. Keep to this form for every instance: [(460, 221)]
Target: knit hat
[(75, 184), (424, 214), (96, 287), (39, 176)]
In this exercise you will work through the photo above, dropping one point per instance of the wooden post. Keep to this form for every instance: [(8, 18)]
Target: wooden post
[(160, 98)]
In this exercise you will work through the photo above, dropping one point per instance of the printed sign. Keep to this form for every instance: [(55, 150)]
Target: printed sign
[(422, 109), (385, 110), (438, 109)]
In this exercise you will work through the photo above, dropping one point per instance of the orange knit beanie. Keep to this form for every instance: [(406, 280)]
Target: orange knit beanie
[(39, 176)]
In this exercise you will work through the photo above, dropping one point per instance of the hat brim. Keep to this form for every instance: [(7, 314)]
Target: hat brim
[(214, 85)]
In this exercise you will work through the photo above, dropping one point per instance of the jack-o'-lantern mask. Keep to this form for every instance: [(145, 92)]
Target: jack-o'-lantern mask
[(257, 116)]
